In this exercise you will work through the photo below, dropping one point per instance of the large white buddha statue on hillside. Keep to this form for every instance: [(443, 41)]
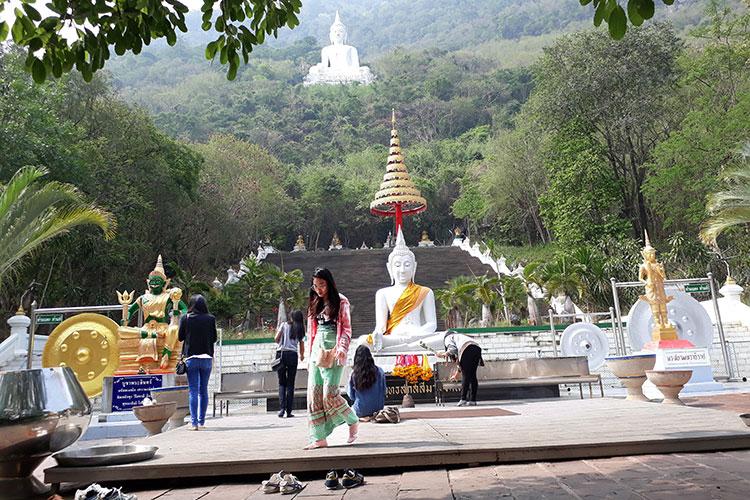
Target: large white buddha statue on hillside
[(339, 62), (404, 311)]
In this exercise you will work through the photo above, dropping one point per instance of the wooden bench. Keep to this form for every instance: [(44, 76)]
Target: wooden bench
[(261, 385), (522, 372), (254, 385)]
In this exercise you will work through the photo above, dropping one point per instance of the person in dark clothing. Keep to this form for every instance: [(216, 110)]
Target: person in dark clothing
[(289, 338), (466, 351), (198, 332)]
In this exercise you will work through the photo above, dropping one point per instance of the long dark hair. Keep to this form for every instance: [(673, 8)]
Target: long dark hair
[(197, 304), (364, 371), (297, 320), (316, 303)]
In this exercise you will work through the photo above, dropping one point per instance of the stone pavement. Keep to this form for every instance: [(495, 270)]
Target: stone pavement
[(722, 475), (712, 475)]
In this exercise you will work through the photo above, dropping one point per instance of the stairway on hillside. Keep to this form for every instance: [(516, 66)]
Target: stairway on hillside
[(360, 273)]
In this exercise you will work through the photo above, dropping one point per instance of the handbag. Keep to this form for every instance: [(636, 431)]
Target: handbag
[(181, 367), (276, 363), (326, 358)]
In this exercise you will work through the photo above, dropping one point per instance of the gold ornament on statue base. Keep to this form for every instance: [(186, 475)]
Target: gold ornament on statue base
[(86, 343)]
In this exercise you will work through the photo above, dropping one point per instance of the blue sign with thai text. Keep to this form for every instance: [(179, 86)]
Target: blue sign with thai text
[(129, 391)]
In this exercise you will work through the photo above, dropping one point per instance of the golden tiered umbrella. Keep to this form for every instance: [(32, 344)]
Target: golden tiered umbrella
[(397, 196)]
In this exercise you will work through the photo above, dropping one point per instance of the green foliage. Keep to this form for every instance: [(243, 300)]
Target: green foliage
[(581, 203), (511, 178), (624, 108), (33, 211), (515, 293), (612, 13), (715, 96), (127, 26), (729, 207), (256, 296), (456, 301), (146, 180)]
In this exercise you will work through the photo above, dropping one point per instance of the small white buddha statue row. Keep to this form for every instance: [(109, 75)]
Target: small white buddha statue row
[(404, 312), (339, 62)]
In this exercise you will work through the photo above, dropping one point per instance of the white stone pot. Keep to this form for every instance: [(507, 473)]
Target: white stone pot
[(631, 370), (669, 383), (180, 395), (154, 417)]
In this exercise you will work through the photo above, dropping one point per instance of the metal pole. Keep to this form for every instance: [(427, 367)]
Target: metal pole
[(614, 331), (79, 309), (552, 331), (720, 326), (618, 314), (32, 330), (221, 354)]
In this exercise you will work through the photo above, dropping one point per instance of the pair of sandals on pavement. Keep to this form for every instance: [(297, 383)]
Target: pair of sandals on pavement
[(281, 482), (388, 415)]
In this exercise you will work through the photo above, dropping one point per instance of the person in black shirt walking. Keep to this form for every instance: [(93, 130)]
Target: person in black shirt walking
[(198, 332)]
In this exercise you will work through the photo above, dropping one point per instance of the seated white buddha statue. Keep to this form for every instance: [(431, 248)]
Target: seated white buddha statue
[(339, 62), (404, 311)]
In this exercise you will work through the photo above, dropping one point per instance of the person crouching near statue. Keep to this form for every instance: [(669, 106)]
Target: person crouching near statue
[(198, 332), (464, 350), (366, 385), (330, 331)]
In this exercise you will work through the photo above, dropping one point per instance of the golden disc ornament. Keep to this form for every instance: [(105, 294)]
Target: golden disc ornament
[(87, 343)]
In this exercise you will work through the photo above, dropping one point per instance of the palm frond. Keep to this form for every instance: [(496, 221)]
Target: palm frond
[(32, 213)]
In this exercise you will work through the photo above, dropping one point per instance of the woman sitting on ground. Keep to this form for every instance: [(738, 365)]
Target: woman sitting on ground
[(367, 384)]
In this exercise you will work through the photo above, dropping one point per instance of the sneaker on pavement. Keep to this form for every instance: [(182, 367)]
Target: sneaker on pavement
[(273, 484), (291, 484), (463, 403), (116, 494), (472, 403), (332, 480), (92, 492), (352, 479)]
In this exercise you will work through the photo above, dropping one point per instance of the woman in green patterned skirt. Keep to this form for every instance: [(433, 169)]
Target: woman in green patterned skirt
[(330, 330)]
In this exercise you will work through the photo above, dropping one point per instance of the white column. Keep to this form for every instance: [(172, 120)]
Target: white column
[(19, 324)]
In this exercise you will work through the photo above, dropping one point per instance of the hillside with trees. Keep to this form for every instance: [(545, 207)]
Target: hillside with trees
[(521, 123)]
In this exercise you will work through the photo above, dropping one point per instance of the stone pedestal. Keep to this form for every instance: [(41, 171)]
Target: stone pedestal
[(631, 370)]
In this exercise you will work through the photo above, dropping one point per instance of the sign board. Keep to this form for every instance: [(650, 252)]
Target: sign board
[(697, 288), (129, 391), (396, 388), (49, 319), (684, 358)]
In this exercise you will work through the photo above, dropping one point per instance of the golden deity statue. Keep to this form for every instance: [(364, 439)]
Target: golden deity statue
[(652, 274), (141, 348), (335, 242)]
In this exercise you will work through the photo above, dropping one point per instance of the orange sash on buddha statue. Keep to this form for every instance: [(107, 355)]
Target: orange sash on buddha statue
[(410, 299)]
